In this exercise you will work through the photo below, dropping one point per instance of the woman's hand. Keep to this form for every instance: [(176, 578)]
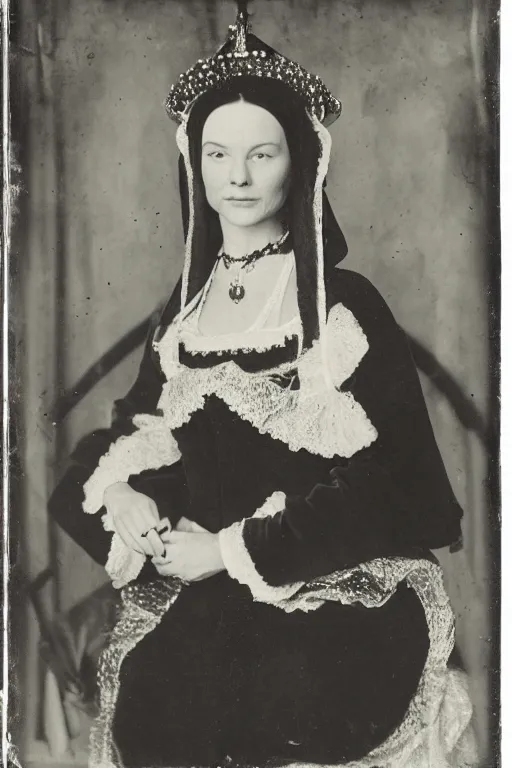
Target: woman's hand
[(188, 526), (135, 517), (190, 556)]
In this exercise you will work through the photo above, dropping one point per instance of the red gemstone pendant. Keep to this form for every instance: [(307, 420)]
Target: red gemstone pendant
[(236, 292)]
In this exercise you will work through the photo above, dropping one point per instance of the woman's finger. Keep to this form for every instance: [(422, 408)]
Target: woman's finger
[(178, 537), (165, 537), (126, 536), (142, 527), (143, 517), (155, 542), (165, 558), (188, 526), (164, 526), (131, 539), (166, 569)]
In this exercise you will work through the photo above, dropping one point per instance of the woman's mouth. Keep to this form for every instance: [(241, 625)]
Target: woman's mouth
[(242, 202)]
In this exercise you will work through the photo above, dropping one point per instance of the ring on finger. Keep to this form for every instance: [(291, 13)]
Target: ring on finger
[(155, 542), (146, 533), (162, 558)]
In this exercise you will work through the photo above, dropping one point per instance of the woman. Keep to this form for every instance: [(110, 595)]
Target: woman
[(270, 488)]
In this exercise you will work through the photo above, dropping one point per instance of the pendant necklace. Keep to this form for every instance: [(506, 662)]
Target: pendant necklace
[(236, 287)]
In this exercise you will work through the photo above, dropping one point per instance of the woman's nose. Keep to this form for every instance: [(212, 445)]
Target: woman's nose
[(239, 175)]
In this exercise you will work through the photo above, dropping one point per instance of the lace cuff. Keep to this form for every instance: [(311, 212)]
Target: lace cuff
[(239, 563), (151, 446), (123, 564), (240, 567)]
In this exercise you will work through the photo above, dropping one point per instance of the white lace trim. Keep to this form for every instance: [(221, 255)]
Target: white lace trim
[(435, 731), (271, 506), (183, 146), (449, 741), (151, 446), (257, 338), (239, 563), (143, 607), (124, 564), (416, 742), (315, 417), (342, 361), (323, 164), (345, 345), (260, 340)]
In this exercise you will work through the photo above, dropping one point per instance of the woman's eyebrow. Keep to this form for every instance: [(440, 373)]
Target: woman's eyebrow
[(251, 149), (265, 144)]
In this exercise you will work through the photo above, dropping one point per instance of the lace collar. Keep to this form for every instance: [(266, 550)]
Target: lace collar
[(316, 416)]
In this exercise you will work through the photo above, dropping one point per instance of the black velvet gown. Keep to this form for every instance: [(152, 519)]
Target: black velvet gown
[(224, 678)]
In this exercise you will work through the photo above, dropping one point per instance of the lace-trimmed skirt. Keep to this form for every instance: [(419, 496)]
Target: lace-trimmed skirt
[(216, 678)]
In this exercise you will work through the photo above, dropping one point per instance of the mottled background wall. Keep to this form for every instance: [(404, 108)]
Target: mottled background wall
[(99, 241)]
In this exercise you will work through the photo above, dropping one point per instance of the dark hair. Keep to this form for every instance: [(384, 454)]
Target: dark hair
[(304, 146)]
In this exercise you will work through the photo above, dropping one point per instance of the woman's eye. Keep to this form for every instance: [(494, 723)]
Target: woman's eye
[(260, 156), (217, 155)]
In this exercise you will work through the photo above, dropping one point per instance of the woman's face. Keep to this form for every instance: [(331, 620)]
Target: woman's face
[(245, 163)]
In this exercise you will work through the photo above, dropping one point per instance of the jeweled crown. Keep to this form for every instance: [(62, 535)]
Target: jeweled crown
[(244, 54)]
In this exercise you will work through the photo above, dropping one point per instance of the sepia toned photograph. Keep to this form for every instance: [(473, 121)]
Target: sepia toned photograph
[(254, 274)]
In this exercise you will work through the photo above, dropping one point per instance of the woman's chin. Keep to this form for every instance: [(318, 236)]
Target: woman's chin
[(243, 217)]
